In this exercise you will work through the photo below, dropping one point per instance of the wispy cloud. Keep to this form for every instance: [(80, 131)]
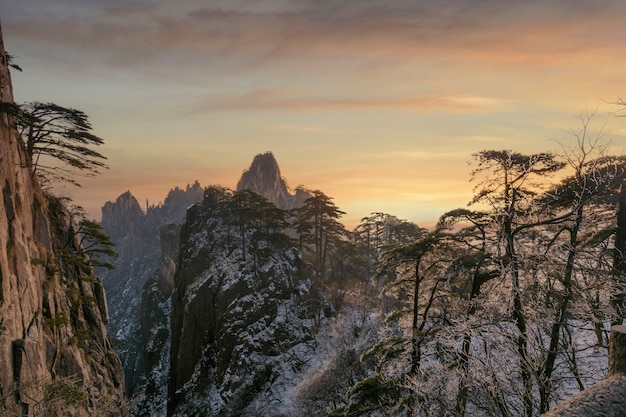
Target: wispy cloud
[(368, 97), (298, 128), (523, 33), (287, 100)]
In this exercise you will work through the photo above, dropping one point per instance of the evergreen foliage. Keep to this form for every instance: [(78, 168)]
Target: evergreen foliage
[(59, 142), (319, 230)]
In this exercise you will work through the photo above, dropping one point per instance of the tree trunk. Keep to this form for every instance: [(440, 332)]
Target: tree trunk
[(415, 340), (545, 374), (619, 261), (520, 319), (461, 405)]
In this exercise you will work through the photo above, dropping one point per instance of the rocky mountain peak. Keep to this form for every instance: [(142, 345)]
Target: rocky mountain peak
[(237, 313), (119, 216), (177, 201), (140, 287), (263, 177)]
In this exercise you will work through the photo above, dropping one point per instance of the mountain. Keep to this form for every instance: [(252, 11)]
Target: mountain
[(143, 261), (239, 318), (121, 217), (125, 222), (264, 178), (55, 358), (154, 266)]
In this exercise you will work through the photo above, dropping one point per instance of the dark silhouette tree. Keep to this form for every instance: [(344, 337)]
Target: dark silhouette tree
[(473, 260), (96, 245), (413, 254), (255, 215), (93, 248), (10, 59), (317, 223), (59, 142)]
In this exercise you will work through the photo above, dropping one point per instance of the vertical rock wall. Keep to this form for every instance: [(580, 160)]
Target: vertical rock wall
[(139, 287), (54, 355)]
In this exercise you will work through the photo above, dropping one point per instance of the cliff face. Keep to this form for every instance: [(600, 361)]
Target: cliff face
[(124, 221), (238, 317), (55, 358), (140, 287), (150, 396)]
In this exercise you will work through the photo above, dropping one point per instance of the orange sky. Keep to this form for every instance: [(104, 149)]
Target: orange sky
[(379, 104)]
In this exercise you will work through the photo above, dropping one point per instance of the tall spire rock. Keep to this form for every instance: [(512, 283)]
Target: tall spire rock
[(55, 358), (263, 177)]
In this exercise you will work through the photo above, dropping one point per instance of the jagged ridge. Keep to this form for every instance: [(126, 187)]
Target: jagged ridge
[(138, 240)]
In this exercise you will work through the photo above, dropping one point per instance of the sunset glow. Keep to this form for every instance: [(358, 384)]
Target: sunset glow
[(380, 104)]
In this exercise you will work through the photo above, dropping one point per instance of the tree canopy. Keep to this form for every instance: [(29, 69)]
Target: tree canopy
[(59, 142)]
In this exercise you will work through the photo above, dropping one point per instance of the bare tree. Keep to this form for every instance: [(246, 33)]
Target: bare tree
[(508, 182), (595, 176)]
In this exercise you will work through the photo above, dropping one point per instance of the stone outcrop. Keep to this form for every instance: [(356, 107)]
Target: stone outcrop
[(121, 217), (140, 289), (124, 221), (55, 358), (151, 393)]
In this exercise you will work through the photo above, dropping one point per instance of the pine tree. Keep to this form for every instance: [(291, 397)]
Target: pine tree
[(59, 142)]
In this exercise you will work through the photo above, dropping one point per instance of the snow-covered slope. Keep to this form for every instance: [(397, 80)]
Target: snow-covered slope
[(239, 317)]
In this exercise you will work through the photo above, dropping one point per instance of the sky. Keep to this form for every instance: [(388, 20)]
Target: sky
[(377, 103)]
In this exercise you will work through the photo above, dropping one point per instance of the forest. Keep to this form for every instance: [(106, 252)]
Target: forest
[(502, 309)]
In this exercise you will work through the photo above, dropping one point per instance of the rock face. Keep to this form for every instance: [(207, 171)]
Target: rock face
[(55, 358), (151, 393), (140, 292), (120, 218), (124, 221), (238, 319), (264, 178), (140, 287)]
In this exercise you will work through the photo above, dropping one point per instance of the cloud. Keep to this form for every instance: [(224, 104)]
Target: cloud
[(245, 33), (287, 100)]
